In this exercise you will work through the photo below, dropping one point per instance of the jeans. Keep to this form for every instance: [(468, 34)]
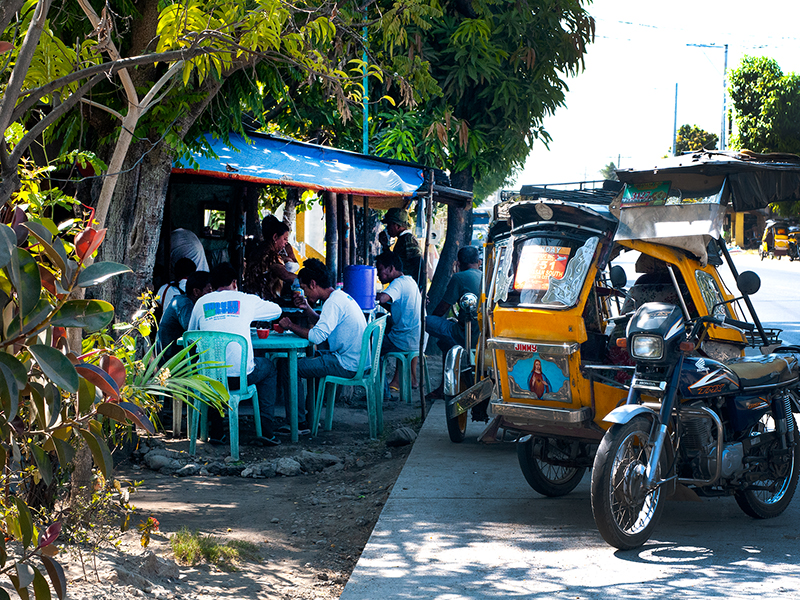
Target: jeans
[(449, 333), (325, 363), (265, 377)]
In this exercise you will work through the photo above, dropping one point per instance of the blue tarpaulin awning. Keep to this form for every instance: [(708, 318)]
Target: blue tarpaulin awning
[(268, 159)]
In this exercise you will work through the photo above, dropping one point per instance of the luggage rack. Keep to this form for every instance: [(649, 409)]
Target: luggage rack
[(754, 337)]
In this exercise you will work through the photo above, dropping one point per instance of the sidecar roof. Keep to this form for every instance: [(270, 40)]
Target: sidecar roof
[(587, 207), (755, 180)]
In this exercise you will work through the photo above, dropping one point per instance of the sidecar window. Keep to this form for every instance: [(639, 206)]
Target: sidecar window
[(711, 294), (550, 271)]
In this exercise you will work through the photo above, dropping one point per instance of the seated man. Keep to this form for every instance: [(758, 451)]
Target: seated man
[(177, 314), (402, 298), (341, 323), (468, 280), (231, 311), (398, 224)]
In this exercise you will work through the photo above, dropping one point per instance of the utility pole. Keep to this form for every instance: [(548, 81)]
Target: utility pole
[(675, 125), (723, 141)]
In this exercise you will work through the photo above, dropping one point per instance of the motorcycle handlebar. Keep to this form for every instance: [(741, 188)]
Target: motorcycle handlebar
[(728, 322)]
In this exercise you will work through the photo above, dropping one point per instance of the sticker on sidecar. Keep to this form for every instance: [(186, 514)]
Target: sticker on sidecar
[(537, 377), (522, 347)]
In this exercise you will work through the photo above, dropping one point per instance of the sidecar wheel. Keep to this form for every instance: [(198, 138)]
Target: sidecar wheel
[(765, 504), (457, 427), (547, 479), (624, 511)]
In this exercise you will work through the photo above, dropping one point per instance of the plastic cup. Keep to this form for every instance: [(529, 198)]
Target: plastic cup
[(277, 328), (262, 333)]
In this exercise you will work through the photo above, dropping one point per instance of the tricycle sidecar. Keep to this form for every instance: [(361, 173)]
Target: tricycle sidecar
[(553, 305)]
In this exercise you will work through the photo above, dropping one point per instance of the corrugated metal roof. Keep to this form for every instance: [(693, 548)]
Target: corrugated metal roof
[(268, 159)]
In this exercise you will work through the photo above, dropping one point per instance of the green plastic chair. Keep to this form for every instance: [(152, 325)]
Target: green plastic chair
[(213, 346), (404, 364), (370, 359)]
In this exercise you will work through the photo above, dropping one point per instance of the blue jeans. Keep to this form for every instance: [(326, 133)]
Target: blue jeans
[(449, 333), (265, 377), (325, 363)]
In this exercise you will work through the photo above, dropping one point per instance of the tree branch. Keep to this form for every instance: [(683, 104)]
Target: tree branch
[(24, 59)]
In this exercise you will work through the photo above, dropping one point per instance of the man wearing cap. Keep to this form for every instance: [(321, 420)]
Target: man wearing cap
[(406, 247)]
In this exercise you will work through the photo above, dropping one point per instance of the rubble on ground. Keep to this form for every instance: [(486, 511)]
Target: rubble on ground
[(153, 453)]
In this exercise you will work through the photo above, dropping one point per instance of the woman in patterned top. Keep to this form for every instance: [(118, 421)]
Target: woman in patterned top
[(272, 268)]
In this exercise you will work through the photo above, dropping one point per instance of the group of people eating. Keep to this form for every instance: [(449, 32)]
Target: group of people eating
[(211, 301)]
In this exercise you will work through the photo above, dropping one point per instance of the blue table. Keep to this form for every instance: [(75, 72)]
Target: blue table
[(286, 344)]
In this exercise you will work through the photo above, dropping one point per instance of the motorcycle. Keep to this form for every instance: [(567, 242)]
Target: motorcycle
[(793, 251), (459, 374), (717, 428)]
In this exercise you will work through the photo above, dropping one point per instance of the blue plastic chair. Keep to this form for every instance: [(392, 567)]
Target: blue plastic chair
[(371, 342), (404, 364), (213, 346)]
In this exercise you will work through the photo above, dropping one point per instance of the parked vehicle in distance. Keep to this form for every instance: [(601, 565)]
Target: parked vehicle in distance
[(775, 240)]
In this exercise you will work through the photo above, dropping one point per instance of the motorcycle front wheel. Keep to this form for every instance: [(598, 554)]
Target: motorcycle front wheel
[(779, 483), (625, 512), (546, 478), (457, 426)]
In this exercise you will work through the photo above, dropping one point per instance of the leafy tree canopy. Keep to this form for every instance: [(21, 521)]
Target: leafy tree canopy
[(501, 67), (691, 138), (766, 105), (609, 171)]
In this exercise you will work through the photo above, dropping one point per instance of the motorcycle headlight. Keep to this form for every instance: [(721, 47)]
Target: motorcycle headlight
[(647, 347)]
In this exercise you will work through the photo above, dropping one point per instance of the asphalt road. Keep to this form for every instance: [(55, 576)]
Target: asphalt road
[(462, 523)]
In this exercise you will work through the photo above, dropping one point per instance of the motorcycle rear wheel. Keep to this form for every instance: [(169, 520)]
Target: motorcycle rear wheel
[(624, 512), (546, 478), (763, 504)]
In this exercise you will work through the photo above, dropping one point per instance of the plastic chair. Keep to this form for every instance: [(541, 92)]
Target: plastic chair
[(404, 364), (213, 346), (370, 359)]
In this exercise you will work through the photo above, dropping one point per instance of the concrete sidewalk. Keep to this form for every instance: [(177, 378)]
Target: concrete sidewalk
[(429, 541), (462, 523)]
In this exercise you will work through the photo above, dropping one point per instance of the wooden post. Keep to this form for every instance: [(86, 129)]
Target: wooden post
[(344, 234), (331, 234), (351, 212), (367, 230)]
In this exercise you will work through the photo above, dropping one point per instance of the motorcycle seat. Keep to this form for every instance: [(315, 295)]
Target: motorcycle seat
[(772, 369)]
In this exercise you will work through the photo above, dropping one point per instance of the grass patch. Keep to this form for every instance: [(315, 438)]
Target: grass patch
[(192, 548)]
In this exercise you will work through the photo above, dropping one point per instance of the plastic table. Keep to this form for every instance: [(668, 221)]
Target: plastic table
[(289, 344)]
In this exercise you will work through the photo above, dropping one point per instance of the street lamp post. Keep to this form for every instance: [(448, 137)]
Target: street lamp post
[(723, 142)]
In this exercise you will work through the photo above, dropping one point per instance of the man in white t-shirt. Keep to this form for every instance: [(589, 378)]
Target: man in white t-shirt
[(341, 324), (404, 301), (231, 311)]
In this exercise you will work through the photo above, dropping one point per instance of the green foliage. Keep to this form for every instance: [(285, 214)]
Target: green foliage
[(691, 138), (53, 401), (609, 172), (499, 67), (192, 548), (766, 105)]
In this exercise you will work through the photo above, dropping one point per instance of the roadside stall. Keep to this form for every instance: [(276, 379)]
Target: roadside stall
[(215, 195)]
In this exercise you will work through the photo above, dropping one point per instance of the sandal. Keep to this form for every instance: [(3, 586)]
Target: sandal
[(394, 388), (265, 441)]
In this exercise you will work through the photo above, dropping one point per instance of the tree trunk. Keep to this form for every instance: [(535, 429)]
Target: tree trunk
[(134, 226), (458, 234), (290, 207)]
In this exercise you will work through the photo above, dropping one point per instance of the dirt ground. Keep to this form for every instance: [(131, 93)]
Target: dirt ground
[(310, 529)]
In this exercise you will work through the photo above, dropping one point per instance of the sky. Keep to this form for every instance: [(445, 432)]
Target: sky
[(622, 108)]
